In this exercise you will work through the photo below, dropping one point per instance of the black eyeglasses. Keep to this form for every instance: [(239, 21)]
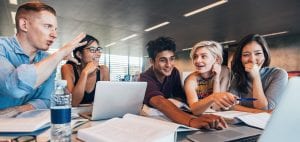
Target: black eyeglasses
[(94, 49)]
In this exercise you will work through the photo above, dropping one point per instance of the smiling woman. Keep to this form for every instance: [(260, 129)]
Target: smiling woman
[(253, 78), (203, 86), (82, 78)]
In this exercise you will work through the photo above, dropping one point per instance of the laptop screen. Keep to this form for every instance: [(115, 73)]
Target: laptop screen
[(284, 124), (114, 99)]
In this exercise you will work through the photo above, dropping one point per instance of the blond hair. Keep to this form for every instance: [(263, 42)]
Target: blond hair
[(214, 47)]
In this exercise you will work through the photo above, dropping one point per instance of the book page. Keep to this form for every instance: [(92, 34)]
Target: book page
[(117, 129), (163, 124), (258, 120), (151, 122), (131, 128), (26, 122)]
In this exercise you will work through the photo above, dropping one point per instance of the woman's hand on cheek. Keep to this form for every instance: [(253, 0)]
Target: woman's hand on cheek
[(90, 67), (252, 69)]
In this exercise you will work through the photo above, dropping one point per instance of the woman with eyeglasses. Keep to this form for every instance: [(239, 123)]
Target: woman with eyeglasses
[(253, 78), (206, 87), (81, 78)]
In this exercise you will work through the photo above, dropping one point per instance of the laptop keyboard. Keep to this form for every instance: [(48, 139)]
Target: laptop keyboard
[(247, 139)]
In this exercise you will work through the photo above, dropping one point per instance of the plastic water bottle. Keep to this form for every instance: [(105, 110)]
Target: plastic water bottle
[(61, 113)]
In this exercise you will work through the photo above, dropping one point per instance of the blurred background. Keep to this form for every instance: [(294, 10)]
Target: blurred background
[(125, 26)]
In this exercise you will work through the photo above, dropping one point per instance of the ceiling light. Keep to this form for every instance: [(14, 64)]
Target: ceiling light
[(205, 8), (13, 15), (185, 49), (15, 2), (277, 33), (157, 26), (129, 37), (111, 44), (229, 41)]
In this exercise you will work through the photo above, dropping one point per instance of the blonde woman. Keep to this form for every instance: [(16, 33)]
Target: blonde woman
[(207, 85)]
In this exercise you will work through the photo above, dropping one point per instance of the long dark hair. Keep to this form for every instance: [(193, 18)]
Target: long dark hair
[(237, 67)]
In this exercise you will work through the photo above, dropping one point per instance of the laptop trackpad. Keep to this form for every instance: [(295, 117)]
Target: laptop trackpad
[(230, 134), (215, 137)]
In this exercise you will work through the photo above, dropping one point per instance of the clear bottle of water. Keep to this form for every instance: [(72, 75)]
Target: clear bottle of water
[(61, 113)]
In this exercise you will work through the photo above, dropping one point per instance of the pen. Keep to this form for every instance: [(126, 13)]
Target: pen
[(246, 99)]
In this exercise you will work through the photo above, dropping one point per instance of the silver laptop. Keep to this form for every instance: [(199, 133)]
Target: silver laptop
[(233, 133), (114, 99), (284, 124)]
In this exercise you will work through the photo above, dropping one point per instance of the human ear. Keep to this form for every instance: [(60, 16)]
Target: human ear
[(151, 61), (78, 54), (23, 24), (218, 60)]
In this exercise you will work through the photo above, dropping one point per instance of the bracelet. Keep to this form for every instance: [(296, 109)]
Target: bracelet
[(191, 121)]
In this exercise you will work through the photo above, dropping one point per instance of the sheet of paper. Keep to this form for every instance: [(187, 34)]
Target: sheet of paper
[(119, 130), (258, 120), (26, 122), (231, 114)]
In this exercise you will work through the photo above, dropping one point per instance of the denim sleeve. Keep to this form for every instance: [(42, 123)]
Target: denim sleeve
[(41, 100), (16, 82)]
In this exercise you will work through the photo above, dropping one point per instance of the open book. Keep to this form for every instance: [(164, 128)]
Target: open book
[(29, 121), (132, 128), (258, 120)]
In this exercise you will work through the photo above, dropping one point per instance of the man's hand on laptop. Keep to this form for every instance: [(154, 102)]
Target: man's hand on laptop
[(208, 121)]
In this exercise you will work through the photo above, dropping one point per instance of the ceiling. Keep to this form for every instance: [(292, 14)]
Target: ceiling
[(112, 20)]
